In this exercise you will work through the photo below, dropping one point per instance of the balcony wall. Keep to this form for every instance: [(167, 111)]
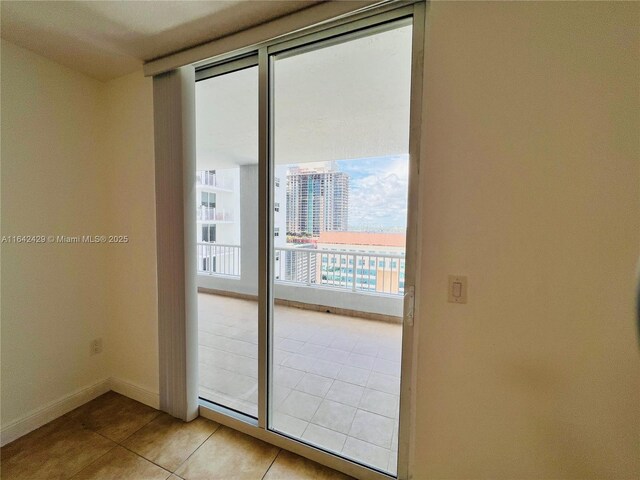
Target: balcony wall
[(315, 295)]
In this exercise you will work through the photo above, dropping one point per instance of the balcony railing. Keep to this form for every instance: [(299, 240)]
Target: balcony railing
[(369, 272), (219, 259), (214, 180), (214, 214), (373, 272)]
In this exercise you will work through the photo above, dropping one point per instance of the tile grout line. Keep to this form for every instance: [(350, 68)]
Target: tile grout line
[(158, 412), (145, 458), (227, 370), (116, 444), (333, 380), (199, 446), (350, 427), (94, 461), (121, 443), (271, 464)]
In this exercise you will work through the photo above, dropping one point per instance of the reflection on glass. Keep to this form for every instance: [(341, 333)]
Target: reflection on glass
[(227, 224), (341, 129)]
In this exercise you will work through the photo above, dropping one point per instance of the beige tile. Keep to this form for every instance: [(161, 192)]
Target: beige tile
[(229, 454), (114, 416), (168, 441), (55, 451), (120, 463), (288, 466)]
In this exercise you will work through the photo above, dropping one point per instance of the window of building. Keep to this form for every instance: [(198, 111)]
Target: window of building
[(208, 199), (208, 233)]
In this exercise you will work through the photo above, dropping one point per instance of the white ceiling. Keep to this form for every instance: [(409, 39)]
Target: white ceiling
[(347, 100), (107, 39)]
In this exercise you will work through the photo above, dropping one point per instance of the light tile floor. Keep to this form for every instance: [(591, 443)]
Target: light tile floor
[(116, 438), (336, 378)]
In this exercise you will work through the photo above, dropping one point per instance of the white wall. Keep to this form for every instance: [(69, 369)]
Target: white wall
[(77, 159), (133, 322), (246, 196), (531, 187), (55, 297)]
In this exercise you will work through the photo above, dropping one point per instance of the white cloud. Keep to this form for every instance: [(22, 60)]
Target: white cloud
[(378, 193)]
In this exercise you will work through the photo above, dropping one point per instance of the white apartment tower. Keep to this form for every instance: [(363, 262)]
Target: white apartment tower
[(317, 201)]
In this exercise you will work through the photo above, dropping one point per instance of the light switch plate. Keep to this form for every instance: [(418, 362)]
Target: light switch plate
[(457, 289)]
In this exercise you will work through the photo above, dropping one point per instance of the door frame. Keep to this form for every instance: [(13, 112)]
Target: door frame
[(339, 29)]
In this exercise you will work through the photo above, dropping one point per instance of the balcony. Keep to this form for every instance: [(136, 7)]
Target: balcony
[(363, 272), (211, 214), (336, 376), (214, 181), (218, 259), (322, 363)]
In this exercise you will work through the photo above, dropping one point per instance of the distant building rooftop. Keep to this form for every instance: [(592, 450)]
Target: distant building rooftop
[(363, 238)]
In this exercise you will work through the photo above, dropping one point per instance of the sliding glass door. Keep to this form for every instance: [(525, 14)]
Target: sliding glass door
[(340, 143), (306, 170), (227, 234)]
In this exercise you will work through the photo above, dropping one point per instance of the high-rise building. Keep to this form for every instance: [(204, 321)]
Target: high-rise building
[(317, 201), (217, 204)]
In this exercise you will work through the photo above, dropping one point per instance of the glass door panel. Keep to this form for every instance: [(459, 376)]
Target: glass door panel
[(340, 142), (227, 215)]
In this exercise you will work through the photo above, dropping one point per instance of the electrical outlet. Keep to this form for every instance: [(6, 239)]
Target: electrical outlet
[(96, 346)]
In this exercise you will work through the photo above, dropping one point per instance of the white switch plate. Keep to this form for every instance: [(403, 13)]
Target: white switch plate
[(96, 346), (457, 289)]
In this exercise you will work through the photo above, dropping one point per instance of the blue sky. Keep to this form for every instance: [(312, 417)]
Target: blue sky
[(378, 192)]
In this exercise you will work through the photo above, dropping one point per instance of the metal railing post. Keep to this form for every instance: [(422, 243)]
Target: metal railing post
[(355, 269)]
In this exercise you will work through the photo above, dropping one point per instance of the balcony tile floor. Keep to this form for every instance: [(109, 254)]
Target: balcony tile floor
[(336, 378)]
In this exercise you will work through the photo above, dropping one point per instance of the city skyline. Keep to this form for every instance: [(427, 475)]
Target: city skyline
[(378, 189)]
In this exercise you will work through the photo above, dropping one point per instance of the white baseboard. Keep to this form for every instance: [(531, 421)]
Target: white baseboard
[(135, 392), (40, 416)]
